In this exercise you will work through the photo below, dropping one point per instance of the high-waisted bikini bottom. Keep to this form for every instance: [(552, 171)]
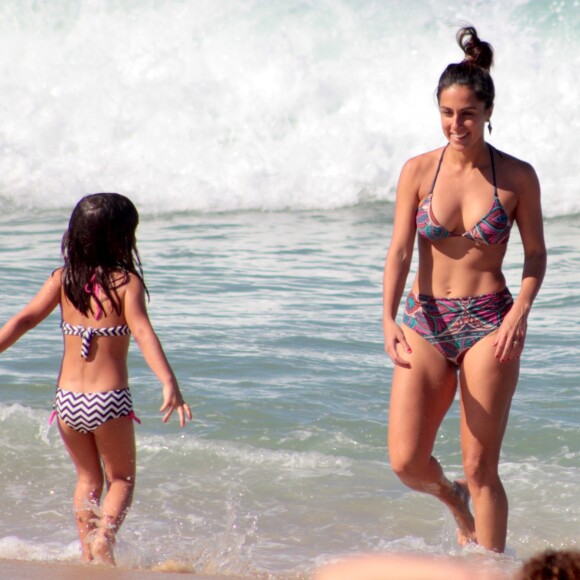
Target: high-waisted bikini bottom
[(454, 325)]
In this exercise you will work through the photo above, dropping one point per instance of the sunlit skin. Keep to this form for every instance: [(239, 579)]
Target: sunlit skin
[(424, 382)]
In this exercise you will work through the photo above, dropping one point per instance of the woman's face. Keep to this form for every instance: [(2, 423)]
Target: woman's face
[(463, 116)]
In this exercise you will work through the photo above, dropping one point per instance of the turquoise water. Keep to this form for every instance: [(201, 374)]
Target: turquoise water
[(262, 142), (272, 322)]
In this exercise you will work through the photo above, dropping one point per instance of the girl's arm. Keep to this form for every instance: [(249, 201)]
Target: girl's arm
[(398, 259), (528, 216), (35, 312), (140, 325)]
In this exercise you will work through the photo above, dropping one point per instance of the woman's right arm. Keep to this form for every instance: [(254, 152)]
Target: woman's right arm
[(398, 259), (33, 313)]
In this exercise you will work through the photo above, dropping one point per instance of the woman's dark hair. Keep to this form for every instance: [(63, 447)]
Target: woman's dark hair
[(100, 248), (473, 70)]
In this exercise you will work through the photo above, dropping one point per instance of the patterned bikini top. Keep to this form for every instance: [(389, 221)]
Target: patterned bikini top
[(492, 228), (87, 334)]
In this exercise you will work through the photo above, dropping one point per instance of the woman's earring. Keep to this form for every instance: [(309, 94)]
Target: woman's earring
[(489, 127)]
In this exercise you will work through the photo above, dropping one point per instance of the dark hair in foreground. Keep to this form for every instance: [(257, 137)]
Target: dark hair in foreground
[(100, 247), (552, 565), (473, 70)]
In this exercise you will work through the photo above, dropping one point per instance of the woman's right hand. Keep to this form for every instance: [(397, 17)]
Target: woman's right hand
[(394, 336)]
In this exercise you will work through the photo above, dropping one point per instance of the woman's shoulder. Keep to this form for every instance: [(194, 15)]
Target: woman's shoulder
[(419, 171), (513, 170), (512, 163), (424, 161)]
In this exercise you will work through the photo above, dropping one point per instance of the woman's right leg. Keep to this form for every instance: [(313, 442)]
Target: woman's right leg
[(420, 398)]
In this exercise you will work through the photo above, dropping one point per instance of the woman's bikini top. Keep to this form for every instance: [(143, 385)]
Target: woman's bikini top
[(87, 334), (492, 228)]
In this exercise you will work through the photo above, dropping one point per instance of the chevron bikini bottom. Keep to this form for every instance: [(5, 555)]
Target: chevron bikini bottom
[(454, 325), (84, 412)]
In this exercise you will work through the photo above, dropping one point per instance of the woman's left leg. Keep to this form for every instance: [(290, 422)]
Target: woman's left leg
[(487, 387)]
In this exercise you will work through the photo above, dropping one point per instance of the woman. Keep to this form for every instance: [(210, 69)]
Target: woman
[(460, 320)]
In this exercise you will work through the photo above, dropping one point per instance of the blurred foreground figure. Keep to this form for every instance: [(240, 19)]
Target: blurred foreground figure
[(407, 567)]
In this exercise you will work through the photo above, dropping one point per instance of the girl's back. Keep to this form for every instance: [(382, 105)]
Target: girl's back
[(105, 366)]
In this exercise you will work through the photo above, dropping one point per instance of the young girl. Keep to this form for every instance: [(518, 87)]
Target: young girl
[(101, 293)]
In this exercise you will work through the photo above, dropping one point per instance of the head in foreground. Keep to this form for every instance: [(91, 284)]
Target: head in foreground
[(552, 565)]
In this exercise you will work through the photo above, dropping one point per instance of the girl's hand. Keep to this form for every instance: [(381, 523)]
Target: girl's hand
[(394, 336), (172, 400), (511, 336)]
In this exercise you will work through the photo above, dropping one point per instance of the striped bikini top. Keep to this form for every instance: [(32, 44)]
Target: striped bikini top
[(492, 228), (87, 334)]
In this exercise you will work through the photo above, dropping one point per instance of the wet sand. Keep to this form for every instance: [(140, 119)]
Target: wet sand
[(29, 570)]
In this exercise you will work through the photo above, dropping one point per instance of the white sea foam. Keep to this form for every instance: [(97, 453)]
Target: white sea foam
[(220, 106), (19, 549), (294, 464)]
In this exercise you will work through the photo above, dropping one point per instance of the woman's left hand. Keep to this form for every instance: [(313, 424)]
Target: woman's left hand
[(510, 339)]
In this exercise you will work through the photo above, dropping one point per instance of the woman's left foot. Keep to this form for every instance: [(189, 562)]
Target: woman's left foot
[(462, 514)]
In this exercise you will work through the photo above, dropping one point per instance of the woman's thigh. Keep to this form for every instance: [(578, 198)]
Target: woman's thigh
[(487, 387), (420, 397)]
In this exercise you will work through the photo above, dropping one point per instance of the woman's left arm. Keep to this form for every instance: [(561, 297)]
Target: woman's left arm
[(509, 342)]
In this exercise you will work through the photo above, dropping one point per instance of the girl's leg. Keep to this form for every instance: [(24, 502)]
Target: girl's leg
[(420, 398), (487, 388), (84, 454), (115, 441)]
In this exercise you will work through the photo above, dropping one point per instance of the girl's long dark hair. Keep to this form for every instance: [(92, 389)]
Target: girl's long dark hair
[(100, 248)]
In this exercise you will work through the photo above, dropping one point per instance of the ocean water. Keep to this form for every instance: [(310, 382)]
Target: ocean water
[(261, 142)]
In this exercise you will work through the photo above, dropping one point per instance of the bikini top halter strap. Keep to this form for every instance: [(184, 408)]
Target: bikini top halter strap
[(493, 170), (438, 168)]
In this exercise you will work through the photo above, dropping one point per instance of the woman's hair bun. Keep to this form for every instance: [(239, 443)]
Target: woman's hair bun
[(476, 50)]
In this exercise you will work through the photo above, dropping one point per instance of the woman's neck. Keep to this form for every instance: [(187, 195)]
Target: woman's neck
[(474, 156)]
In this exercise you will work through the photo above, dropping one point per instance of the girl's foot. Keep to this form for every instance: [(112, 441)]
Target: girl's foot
[(102, 547)]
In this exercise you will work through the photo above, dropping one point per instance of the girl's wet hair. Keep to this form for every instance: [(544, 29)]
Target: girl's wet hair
[(100, 247), (473, 70)]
